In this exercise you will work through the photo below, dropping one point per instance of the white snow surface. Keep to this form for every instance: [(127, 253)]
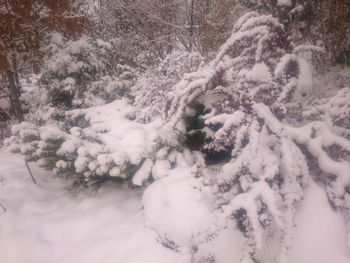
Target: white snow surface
[(320, 232), (47, 223)]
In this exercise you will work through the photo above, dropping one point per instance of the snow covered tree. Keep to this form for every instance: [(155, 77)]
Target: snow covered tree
[(322, 22), (81, 83), (253, 77), (23, 26), (77, 74)]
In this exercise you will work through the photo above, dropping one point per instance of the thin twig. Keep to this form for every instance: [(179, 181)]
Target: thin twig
[(3, 207), (30, 172)]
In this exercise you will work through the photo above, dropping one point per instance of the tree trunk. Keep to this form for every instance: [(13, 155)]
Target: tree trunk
[(191, 24), (14, 96)]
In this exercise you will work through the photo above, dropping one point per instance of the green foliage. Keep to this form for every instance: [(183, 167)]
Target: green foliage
[(195, 137)]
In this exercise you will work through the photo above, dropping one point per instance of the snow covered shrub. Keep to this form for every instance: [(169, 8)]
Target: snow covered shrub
[(153, 86), (78, 74), (75, 137), (78, 79), (107, 145), (246, 88), (79, 153), (339, 108), (259, 60)]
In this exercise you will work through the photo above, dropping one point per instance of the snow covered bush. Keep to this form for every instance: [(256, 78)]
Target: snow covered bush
[(79, 78), (152, 87), (83, 123), (105, 143), (78, 74), (246, 89)]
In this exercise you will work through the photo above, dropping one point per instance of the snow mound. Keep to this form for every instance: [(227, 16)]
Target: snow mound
[(179, 212)]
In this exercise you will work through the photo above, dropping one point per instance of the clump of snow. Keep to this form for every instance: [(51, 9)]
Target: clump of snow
[(260, 73), (143, 173), (160, 169)]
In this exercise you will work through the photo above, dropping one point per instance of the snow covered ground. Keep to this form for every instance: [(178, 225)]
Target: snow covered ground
[(47, 223)]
